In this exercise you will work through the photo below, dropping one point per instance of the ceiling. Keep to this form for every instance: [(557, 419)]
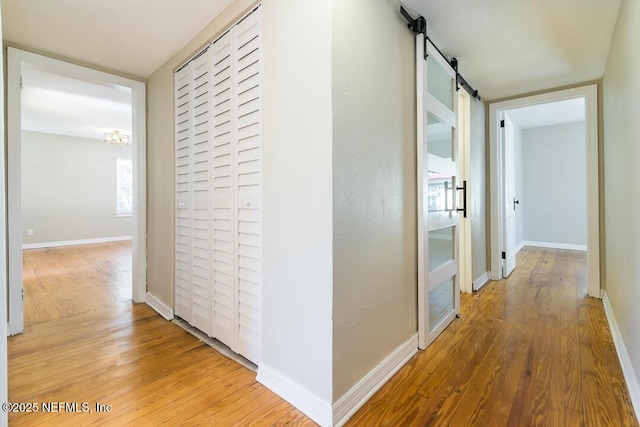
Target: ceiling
[(508, 48), (60, 105), (505, 48), (549, 114), (130, 36)]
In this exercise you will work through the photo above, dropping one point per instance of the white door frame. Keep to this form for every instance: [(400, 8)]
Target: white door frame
[(464, 159), (590, 95), (15, 59), (506, 139)]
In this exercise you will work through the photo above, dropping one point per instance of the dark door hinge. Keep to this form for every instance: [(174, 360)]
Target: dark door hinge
[(504, 255), (501, 123)]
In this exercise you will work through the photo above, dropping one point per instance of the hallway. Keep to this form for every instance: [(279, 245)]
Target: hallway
[(530, 350)]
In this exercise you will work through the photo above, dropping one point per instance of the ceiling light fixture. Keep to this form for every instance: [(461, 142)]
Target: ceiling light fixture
[(116, 137)]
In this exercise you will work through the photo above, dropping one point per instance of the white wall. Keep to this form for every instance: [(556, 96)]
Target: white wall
[(554, 177), (374, 187), (621, 96), (69, 188), (3, 252), (297, 198)]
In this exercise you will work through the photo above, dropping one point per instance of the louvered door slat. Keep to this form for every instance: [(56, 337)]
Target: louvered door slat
[(224, 312), (184, 131), (202, 191), (247, 154)]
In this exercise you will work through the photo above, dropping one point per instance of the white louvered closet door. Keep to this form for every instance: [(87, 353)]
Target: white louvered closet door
[(248, 171), (193, 192), (237, 188), (183, 248), (202, 191), (224, 229), (218, 214)]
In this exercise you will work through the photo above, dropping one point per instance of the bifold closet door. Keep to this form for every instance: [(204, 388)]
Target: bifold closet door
[(183, 248), (193, 192), (218, 190), (202, 190), (225, 312), (237, 188), (248, 170)]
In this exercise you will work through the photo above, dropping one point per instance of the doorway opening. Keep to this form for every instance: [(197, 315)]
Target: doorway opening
[(34, 151), (544, 188)]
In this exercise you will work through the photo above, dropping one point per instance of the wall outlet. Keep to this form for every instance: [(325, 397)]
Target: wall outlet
[(29, 231)]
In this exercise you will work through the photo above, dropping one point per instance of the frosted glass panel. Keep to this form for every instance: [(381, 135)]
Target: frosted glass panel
[(440, 196), (439, 138), (441, 247), (441, 302), (439, 83)]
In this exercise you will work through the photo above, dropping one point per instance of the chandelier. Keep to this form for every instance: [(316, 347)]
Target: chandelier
[(116, 137)]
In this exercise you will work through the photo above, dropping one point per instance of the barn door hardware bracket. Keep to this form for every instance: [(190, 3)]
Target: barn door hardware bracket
[(417, 25)]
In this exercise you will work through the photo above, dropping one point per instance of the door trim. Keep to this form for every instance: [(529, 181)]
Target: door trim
[(15, 59), (590, 95), (464, 157)]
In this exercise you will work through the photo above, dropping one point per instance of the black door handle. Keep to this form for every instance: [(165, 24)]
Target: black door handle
[(515, 202), (464, 199)]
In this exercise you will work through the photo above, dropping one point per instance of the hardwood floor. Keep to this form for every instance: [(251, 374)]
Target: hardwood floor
[(69, 280), (84, 341), (530, 350)]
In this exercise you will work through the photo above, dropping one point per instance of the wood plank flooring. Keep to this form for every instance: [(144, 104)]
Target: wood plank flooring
[(69, 280), (86, 342), (532, 350)]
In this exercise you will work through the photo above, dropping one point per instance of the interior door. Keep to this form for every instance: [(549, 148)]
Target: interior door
[(509, 205), (438, 189)]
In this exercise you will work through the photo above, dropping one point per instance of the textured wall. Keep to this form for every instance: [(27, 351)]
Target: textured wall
[(374, 187), (621, 91)]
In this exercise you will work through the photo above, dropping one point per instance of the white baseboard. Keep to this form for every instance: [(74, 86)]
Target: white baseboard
[(481, 281), (632, 380), (161, 308), (75, 242), (520, 246), (358, 395), (555, 245), (305, 401)]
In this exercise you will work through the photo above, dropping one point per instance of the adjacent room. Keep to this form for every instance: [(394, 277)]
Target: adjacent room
[(76, 195), (550, 175)]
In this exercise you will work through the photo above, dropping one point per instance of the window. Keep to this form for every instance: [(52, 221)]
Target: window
[(124, 187)]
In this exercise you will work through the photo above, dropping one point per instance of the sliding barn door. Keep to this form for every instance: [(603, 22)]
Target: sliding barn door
[(438, 193), (219, 188)]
